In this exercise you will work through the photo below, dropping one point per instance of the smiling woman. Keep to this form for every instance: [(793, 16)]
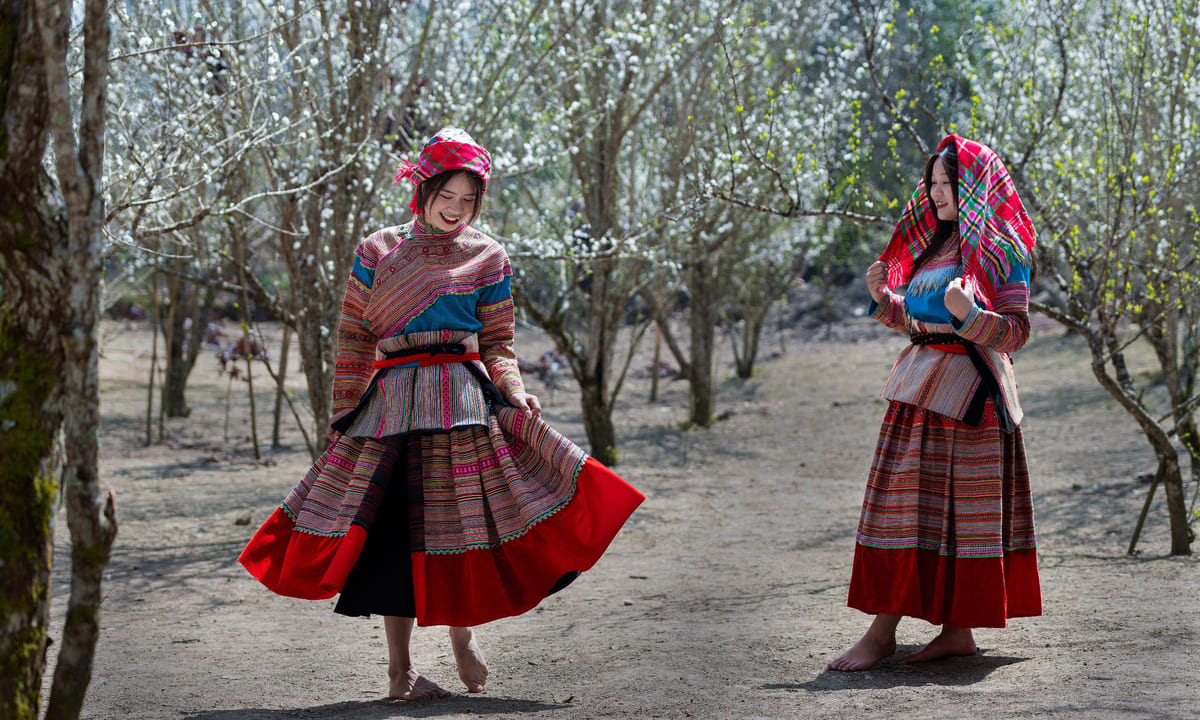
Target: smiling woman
[(946, 531), (443, 496), (942, 190), (451, 199)]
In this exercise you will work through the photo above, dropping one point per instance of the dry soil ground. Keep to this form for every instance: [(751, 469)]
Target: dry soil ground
[(724, 596)]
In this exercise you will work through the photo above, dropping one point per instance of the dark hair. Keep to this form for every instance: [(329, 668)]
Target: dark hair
[(429, 189), (945, 228)]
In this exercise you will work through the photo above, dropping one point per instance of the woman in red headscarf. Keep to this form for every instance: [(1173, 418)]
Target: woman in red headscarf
[(443, 497), (946, 532)]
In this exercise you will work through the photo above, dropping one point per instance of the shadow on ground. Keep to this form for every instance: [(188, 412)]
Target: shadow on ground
[(138, 572), (384, 708), (1094, 515), (893, 673)]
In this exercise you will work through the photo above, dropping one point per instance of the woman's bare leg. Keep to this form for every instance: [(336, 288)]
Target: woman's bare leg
[(472, 667), (877, 643), (950, 642), (404, 682)]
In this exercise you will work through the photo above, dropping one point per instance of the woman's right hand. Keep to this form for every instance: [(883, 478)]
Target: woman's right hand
[(877, 281)]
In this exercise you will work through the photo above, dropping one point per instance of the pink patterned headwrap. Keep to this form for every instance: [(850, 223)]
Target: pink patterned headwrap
[(992, 222), (450, 149)]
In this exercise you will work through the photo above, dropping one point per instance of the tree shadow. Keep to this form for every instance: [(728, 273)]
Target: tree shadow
[(672, 444), (892, 673), (384, 708), (1093, 515), (140, 571)]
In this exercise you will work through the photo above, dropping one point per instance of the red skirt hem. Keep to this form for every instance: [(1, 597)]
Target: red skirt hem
[(477, 586), (946, 590), (298, 564), (465, 588)]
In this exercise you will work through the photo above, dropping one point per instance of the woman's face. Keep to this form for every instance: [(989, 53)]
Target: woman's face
[(941, 192), (452, 205)]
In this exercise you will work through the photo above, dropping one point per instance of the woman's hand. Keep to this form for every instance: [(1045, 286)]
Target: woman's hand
[(960, 298), (526, 402), (877, 281)]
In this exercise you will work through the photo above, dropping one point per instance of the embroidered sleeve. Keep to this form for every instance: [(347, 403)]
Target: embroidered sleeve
[(890, 312), (355, 340), (1005, 327), (495, 311)]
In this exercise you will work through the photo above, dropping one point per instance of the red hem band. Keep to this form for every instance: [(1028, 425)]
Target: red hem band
[(477, 586), (945, 590)]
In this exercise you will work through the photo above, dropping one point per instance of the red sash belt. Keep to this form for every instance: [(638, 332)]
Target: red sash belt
[(426, 360), (956, 349)]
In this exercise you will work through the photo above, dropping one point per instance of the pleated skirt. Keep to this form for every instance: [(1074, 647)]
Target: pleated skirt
[(947, 528), (456, 527)]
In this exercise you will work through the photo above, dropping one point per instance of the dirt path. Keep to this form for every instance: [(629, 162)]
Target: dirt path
[(723, 598)]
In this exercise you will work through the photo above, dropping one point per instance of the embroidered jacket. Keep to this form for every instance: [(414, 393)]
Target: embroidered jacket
[(946, 382), (409, 289)]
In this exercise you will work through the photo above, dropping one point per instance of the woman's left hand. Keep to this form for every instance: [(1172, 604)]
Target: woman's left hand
[(960, 297), (526, 402)]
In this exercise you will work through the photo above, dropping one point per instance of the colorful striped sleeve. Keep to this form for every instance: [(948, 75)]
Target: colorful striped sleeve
[(355, 340), (1004, 328), (496, 313), (890, 312)]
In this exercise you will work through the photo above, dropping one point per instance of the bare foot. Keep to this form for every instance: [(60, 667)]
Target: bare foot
[(865, 653), (412, 685), (950, 642), (472, 667)]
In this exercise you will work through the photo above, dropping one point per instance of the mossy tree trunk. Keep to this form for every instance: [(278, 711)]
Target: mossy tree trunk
[(49, 306), (30, 417)]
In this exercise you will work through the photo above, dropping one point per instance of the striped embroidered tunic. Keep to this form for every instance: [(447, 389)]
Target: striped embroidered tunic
[(408, 290), (946, 532), (438, 500), (946, 382)]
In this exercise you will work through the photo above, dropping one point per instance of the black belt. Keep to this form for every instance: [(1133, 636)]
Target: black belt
[(989, 386), (439, 349), (936, 339)]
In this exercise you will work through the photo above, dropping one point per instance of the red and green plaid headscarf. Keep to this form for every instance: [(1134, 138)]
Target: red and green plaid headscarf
[(992, 223), (451, 149)]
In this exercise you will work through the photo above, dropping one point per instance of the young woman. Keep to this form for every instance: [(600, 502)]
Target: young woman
[(946, 532), (443, 497)]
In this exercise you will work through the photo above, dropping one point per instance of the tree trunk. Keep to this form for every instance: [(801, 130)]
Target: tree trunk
[(203, 313), (30, 392), (50, 269), (603, 321), (91, 513), (1168, 458), (29, 486), (654, 364), (589, 371), (240, 242), (92, 517), (312, 356), (280, 389), (748, 353), (181, 295), (598, 422), (751, 334), (1181, 534), (703, 321), (246, 339), (155, 320), (1180, 379)]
